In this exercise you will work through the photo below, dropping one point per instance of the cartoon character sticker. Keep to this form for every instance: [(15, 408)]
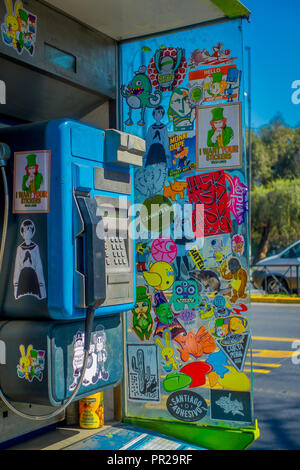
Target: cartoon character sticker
[(237, 275), (181, 113), (142, 320), (32, 182), (138, 94), (28, 276), (31, 364), (95, 370), (161, 275), (167, 352), (150, 181), (183, 158), (157, 140), (165, 317), (216, 57), (167, 68), (216, 84), (19, 29), (185, 294), (219, 138)]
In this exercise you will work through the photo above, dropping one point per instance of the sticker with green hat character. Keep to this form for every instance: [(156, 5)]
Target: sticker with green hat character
[(216, 84), (31, 181), (142, 320), (219, 136)]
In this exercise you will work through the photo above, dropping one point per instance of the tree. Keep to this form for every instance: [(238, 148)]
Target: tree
[(275, 218), (275, 152)]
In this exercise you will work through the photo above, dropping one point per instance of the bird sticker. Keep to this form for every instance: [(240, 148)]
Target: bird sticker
[(161, 275)]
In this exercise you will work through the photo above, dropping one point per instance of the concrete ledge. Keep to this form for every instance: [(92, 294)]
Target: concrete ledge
[(275, 299)]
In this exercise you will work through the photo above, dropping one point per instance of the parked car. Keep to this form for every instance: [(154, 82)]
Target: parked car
[(278, 273)]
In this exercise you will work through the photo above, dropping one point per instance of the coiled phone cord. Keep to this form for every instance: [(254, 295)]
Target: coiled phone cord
[(5, 151)]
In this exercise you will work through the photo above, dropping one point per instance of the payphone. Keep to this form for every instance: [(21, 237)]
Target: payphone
[(67, 270)]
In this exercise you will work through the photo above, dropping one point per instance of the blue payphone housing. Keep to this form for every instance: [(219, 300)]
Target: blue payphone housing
[(69, 247), (90, 174)]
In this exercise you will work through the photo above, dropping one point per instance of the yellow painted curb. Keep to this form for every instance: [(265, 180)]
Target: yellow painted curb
[(273, 299)]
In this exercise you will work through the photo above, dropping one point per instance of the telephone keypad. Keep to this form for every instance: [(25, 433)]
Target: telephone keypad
[(115, 252)]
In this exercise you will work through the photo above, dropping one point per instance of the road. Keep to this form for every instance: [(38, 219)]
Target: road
[(276, 378)]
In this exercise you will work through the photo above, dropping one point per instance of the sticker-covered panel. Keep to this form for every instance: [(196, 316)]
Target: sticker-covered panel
[(188, 336)]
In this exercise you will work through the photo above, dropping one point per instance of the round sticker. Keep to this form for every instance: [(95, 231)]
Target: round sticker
[(187, 406)]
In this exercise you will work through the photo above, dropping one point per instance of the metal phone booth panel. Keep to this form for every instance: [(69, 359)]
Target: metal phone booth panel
[(69, 246)]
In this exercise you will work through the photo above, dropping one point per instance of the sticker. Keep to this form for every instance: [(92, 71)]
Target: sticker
[(221, 308), (164, 249), (31, 182), (216, 250), (187, 406), (28, 276), (167, 68), (207, 279), (185, 295), (205, 308), (196, 257), (230, 406), (233, 271), (196, 93), (195, 344), (174, 189), (216, 84), (157, 140), (237, 351), (176, 381), (31, 364), (181, 113), (2, 352), (167, 352), (141, 256), (183, 157), (138, 95), (218, 361), (209, 190), (238, 203), (230, 329), (157, 213), (19, 29), (197, 371), (95, 370), (142, 320), (166, 318), (143, 379), (187, 315), (238, 244), (150, 181), (219, 137), (216, 57), (161, 275), (235, 380)]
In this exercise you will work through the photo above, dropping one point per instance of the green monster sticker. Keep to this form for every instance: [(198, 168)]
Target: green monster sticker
[(138, 95)]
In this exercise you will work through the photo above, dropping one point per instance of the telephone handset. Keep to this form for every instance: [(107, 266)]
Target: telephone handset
[(90, 253)]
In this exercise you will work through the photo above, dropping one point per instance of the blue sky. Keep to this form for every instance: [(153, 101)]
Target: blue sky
[(273, 36)]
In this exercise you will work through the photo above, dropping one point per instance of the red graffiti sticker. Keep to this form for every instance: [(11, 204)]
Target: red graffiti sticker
[(208, 191)]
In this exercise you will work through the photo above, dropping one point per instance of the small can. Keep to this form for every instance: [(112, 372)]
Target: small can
[(91, 411)]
